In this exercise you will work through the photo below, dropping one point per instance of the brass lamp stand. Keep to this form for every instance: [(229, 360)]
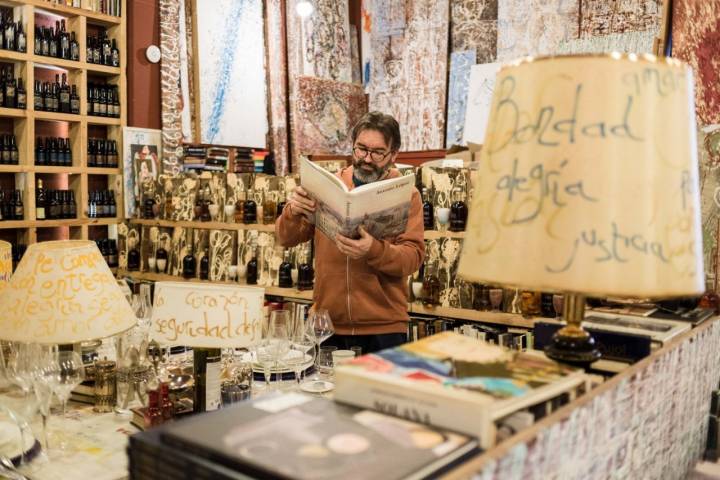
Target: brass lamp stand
[(572, 344)]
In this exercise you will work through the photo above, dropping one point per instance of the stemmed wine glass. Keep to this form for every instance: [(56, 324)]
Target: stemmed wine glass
[(45, 376), (278, 339), (19, 370), (303, 345), (319, 328), (71, 374)]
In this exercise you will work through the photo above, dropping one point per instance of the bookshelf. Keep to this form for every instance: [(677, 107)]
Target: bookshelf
[(28, 124)]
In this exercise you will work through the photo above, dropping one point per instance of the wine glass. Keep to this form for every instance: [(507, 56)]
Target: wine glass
[(443, 217), (19, 371), (46, 374), (303, 345), (279, 338), (319, 327), (71, 374)]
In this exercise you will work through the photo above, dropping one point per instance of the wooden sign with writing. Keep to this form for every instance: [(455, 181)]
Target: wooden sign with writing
[(588, 179), (207, 316)]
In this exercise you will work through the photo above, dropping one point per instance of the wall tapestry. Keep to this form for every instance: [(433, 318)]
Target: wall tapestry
[(142, 165), (696, 40), (230, 68), (479, 100), (629, 42), (474, 25), (709, 160), (170, 85), (323, 115), (277, 83), (602, 17), (535, 27), (408, 68), (460, 63)]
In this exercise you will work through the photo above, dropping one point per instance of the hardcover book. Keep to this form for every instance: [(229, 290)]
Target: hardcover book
[(454, 381), (381, 207), (294, 436)]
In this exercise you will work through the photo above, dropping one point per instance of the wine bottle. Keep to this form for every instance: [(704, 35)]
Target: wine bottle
[(428, 211), (113, 253), (20, 38), (458, 212), (14, 153), (40, 158), (251, 272), (250, 209), (161, 257), (133, 261), (305, 273), (205, 205), (65, 208), (189, 265), (10, 98), (431, 286), (40, 200), (64, 95), (205, 265), (37, 96), (115, 54), (74, 48), (166, 405), (21, 95), (207, 369), (112, 204), (74, 101), (285, 272), (269, 208)]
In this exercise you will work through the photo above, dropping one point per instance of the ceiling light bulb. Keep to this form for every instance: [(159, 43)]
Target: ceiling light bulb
[(304, 8)]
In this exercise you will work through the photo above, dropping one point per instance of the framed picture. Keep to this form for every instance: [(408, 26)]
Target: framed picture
[(142, 164)]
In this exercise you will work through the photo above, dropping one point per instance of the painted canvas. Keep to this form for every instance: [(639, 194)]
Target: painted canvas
[(600, 17), (319, 44), (142, 166), (277, 83), (230, 60), (460, 63), (480, 91), (323, 115), (696, 41), (366, 22), (473, 25), (355, 56), (408, 68), (628, 42), (221, 254), (185, 57), (535, 27), (709, 159)]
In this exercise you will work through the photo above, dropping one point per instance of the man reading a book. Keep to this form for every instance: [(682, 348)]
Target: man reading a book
[(362, 282)]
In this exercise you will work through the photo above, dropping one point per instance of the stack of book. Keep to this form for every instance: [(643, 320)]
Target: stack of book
[(217, 159), (194, 158), (244, 162), (454, 381), (258, 157), (295, 436)]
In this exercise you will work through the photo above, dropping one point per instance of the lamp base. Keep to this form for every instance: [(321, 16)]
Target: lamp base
[(573, 346)]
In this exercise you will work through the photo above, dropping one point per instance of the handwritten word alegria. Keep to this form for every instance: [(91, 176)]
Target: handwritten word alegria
[(530, 190), (543, 125)]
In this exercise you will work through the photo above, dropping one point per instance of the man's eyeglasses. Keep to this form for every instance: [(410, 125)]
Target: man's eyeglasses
[(361, 153)]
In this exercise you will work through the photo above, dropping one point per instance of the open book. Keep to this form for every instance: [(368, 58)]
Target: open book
[(381, 207)]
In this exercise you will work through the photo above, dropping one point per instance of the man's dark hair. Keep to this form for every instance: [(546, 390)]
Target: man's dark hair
[(383, 123)]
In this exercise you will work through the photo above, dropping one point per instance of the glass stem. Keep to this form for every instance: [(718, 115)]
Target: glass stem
[(64, 404), (45, 435)]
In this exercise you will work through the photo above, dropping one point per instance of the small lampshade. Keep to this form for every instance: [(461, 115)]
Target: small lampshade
[(5, 263), (588, 179), (63, 292)]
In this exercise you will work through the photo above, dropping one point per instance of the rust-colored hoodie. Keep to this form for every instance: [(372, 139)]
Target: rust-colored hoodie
[(368, 295)]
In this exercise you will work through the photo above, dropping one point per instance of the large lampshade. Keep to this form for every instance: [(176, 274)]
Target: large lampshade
[(588, 179), (63, 292)]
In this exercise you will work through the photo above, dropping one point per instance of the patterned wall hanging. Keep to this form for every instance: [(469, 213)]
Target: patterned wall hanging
[(170, 85), (277, 83)]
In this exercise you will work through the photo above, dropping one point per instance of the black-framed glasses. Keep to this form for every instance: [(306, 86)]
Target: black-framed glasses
[(361, 153)]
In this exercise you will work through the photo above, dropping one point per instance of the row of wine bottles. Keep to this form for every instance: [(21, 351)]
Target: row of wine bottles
[(102, 51), (11, 205), (101, 204), (54, 152), (54, 204), (454, 217), (12, 90), (9, 154), (12, 33), (56, 97), (102, 153), (103, 100), (56, 42), (108, 249)]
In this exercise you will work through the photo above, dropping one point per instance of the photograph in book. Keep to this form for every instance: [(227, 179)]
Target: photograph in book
[(382, 208)]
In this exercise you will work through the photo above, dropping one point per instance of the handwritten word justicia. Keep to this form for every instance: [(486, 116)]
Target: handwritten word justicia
[(616, 247), (543, 126), (535, 187)]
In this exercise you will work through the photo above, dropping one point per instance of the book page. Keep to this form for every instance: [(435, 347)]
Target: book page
[(382, 207), (331, 196)]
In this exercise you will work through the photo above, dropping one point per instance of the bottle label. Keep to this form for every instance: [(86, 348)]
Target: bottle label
[(21, 99), (40, 213), (212, 386), (75, 106)]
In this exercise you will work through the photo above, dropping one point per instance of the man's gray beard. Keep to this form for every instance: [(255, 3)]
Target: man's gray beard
[(369, 176)]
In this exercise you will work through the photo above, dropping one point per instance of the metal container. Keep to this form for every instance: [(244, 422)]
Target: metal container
[(105, 390)]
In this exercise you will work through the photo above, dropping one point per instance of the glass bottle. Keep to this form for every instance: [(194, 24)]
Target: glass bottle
[(546, 305), (205, 265), (428, 211), (166, 405), (458, 212), (21, 95), (113, 253), (40, 200), (269, 208), (65, 205), (71, 202), (431, 285), (239, 207), (133, 261), (74, 101), (205, 205), (285, 272), (199, 200), (252, 269), (305, 273), (281, 205), (189, 265), (153, 412), (207, 371), (250, 209), (710, 299)]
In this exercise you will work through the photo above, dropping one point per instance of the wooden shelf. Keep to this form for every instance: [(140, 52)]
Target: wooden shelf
[(70, 222), (162, 277), (94, 68), (13, 56), (8, 224), (40, 60), (13, 112), (49, 169), (204, 225), (103, 171), (436, 235), (500, 318), (93, 17), (58, 117), (92, 222), (93, 120), (13, 168)]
